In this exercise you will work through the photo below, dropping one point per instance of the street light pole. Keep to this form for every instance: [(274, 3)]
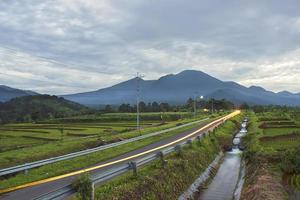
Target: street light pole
[(201, 97), (195, 104)]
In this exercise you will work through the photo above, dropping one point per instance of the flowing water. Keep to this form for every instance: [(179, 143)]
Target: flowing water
[(224, 183), (227, 183)]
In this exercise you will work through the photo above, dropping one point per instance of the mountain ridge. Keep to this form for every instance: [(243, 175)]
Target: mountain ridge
[(7, 93), (38, 107), (177, 88)]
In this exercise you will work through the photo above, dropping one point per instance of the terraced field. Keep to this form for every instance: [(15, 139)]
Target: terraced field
[(17, 136), (279, 137), (20, 143)]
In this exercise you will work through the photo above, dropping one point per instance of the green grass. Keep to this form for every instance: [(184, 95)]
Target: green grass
[(11, 143), (155, 182), (263, 175), (270, 146), (273, 140), (84, 161), (230, 126), (20, 143), (285, 143), (279, 131), (108, 117), (279, 146)]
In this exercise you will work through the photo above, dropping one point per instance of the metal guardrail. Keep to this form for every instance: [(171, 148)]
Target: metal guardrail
[(27, 166), (101, 177)]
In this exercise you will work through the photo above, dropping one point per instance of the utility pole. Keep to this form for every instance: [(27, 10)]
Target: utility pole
[(138, 78), (195, 105), (212, 105)]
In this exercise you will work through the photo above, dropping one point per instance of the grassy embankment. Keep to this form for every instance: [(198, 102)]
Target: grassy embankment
[(157, 182), (271, 143), (88, 160)]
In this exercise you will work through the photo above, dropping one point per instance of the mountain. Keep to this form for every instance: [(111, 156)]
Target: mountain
[(8, 93), (285, 93), (179, 87), (38, 107)]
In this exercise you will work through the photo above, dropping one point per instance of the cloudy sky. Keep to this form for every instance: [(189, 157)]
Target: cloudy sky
[(68, 46)]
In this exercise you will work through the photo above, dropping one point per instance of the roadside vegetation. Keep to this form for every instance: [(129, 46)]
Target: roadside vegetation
[(20, 143), (87, 160), (43, 126), (272, 154), (40, 136), (157, 181)]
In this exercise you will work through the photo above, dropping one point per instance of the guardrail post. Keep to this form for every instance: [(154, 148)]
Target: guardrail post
[(26, 171), (163, 161), (93, 192), (133, 166), (190, 142), (199, 139), (178, 149), (214, 132)]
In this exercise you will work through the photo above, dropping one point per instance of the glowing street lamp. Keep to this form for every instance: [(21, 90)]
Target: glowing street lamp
[(195, 106)]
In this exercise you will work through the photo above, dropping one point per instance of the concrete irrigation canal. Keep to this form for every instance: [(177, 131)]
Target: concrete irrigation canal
[(228, 182)]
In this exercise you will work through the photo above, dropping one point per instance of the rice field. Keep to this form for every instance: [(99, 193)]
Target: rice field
[(20, 143), (280, 135)]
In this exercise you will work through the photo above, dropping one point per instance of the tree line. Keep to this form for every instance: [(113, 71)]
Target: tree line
[(39, 107), (211, 104)]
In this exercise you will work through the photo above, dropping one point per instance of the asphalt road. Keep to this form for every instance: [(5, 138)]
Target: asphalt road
[(44, 188), (38, 163)]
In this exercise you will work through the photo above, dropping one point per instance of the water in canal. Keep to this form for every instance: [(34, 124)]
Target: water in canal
[(226, 182)]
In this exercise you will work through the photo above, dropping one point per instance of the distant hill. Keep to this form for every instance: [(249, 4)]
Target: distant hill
[(38, 107), (8, 93), (179, 87), (287, 94)]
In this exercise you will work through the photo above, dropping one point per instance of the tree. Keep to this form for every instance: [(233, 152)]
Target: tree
[(244, 106), (108, 109), (27, 118), (190, 103), (125, 108), (155, 107), (149, 107), (164, 107), (142, 106)]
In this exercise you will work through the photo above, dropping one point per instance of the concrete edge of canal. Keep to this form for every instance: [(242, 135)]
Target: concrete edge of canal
[(227, 182)]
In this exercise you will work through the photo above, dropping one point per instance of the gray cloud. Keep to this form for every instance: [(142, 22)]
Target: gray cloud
[(65, 46)]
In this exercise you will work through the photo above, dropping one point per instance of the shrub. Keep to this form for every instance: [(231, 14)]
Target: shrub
[(290, 161), (83, 187)]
